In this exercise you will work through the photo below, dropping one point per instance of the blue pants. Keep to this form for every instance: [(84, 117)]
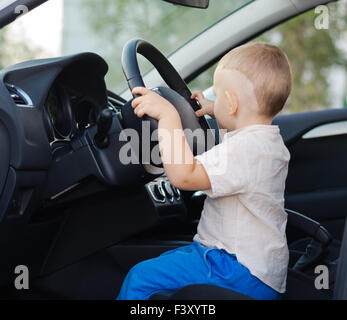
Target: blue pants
[(193, 264)]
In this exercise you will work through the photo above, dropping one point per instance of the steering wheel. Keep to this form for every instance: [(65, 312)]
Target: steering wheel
[(178, 94)]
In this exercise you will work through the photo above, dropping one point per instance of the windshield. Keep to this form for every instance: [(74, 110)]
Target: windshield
[(63, 27)]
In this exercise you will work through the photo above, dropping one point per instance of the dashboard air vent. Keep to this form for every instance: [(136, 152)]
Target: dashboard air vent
[(19, 97)]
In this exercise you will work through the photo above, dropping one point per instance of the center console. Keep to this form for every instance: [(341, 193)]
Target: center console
[(165, 197)]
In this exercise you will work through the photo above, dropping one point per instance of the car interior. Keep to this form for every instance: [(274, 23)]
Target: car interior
[(80, 219)]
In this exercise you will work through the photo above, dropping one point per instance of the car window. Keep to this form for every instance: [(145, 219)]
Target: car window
[(204, 82), (316, 45), (63, 27)]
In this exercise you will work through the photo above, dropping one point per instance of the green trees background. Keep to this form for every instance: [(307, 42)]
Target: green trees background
[(163, 24), (315, 55), (13, 50)]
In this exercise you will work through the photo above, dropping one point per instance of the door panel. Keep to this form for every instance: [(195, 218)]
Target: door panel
[(317, 177)]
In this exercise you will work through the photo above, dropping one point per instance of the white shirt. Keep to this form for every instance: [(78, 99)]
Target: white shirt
[(244, 209)]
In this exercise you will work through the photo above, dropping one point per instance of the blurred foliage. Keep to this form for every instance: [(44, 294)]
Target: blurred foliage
[(314, 56), (318, 57), (164, 25), (13, 50)]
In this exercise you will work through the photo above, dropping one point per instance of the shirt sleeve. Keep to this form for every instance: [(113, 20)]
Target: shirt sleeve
[(226, 167)]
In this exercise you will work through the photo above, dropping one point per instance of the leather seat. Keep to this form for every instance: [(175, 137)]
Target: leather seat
[(299, 287), (201, 292)]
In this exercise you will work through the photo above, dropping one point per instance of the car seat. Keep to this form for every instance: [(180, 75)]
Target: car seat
[(300, 283)]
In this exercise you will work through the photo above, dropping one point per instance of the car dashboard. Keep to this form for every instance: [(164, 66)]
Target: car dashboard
[(48, 122)]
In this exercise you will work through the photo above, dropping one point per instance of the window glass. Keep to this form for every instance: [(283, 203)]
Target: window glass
[(63, 27), (316, 45), (203, 81)]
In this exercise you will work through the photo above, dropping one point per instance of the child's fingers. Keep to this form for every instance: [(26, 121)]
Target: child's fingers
[(193, 96), (198, 95), (137, 101), (201, 112), (140, 111), (140, 90)]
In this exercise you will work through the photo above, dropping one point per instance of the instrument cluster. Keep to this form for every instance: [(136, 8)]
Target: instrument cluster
[(67, 112)]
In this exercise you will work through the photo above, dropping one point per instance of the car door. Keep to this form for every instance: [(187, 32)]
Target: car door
[(317, 177)]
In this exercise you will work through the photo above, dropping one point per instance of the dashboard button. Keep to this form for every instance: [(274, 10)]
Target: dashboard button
[(176, 192), (159, 192), (167, 189)]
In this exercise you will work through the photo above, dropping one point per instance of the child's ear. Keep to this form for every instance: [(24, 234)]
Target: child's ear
[(233, 102)]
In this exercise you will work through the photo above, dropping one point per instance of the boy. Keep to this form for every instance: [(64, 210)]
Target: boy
[(241, 242)]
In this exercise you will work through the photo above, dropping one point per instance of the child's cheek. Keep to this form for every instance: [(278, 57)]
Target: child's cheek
[(217, 105), (218, 108), (215, 108), (217, 113)]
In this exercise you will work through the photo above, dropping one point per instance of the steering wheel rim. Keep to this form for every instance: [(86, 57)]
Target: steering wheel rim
[(166, 70), (178, 94)]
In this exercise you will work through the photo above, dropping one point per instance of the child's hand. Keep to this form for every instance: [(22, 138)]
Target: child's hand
[(151, 104), (207, 106)]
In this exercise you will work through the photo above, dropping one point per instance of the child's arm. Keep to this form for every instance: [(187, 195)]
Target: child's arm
[(182, 169)]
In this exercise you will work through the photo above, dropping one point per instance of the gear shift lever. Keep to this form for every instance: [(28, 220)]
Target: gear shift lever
[(104, 123)]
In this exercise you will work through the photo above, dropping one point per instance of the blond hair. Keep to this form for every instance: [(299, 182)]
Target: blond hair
[(268, 68)]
